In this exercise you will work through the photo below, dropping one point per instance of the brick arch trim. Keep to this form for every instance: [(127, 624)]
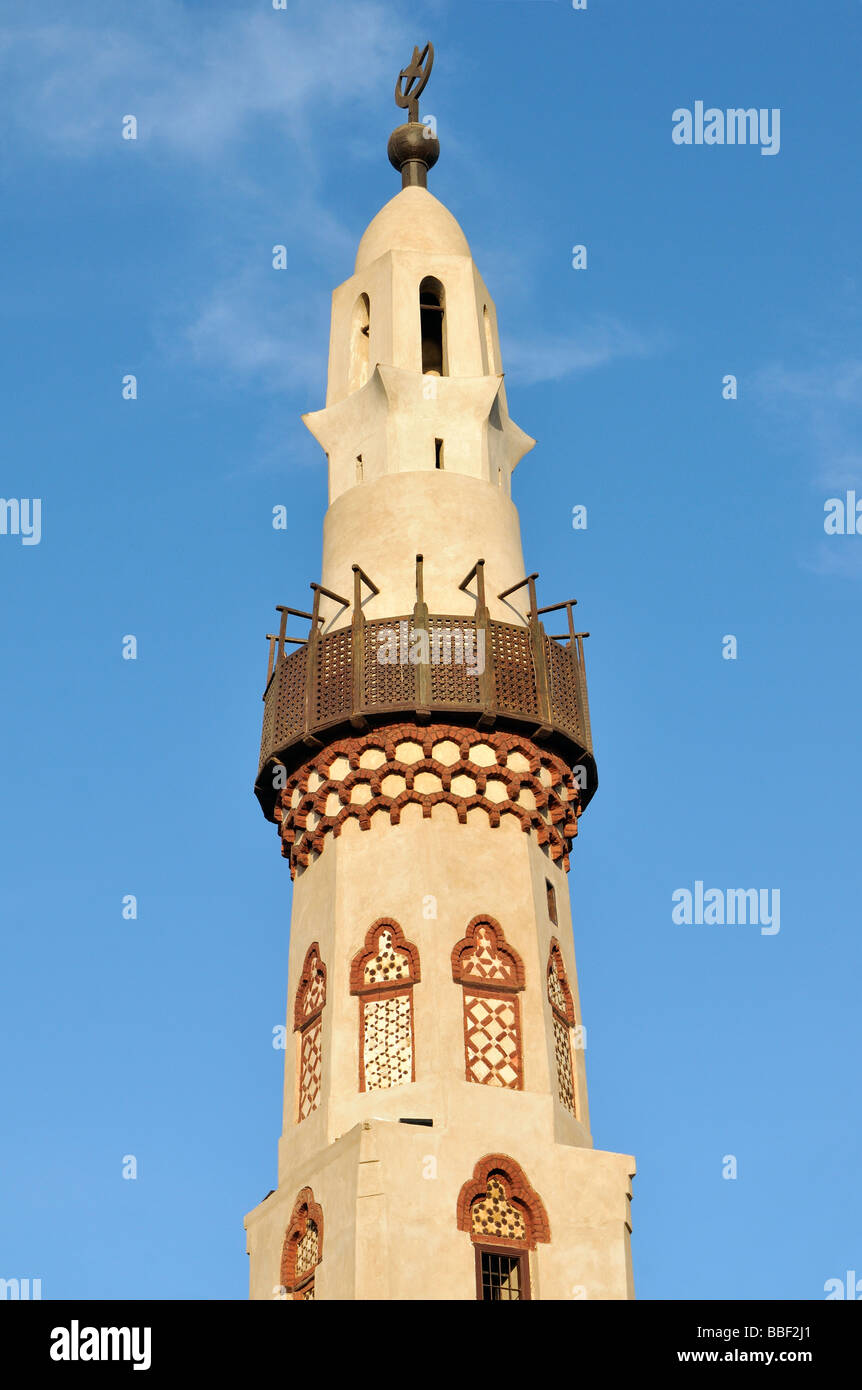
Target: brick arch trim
[(518, 1191), (369, 951), (467, 944), (555, 961), (301, 1019), (305, 1209), (306, 826)]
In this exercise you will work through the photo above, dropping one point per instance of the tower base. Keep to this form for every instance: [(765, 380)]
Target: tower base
[(382, 1244)]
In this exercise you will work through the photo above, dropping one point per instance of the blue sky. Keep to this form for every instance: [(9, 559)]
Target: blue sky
[(705, 518)]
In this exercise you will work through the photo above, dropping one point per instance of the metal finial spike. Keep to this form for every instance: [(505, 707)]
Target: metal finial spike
[(416, 75), (413, 147)]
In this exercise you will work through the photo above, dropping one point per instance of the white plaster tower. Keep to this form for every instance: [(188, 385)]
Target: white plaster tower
[(426, 754)]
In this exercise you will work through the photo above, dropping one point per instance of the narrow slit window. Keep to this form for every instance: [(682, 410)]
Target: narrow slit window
[(438, 453), (359, 468), (552, 901)]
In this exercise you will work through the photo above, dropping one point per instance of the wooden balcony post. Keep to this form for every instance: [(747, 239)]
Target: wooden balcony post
[(420, 624), (487, 683), (312, 652), (272, 638), (539, 650), (357, 652), (282, 628), (586, 730)]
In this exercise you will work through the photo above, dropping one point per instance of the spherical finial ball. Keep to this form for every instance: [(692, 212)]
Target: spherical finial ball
[(413, 141)]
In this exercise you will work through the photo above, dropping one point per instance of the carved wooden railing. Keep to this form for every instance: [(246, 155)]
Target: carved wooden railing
[(470, 667)]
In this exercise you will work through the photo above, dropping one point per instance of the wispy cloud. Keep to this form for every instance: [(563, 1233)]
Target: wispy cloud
[(819, 410), (245, 328), (208, 87), (552, 357), (817, 413), (194, 78), (839, 555)]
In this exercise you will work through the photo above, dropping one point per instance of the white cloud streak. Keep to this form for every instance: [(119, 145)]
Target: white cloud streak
[(554, 357), (820, 408), (194, 78)]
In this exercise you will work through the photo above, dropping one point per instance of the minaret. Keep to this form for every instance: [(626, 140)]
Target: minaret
[(426, 754)]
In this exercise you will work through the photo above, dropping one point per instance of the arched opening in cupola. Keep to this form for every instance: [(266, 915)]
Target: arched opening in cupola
[(489, 342), (432, 314), (360, 337)]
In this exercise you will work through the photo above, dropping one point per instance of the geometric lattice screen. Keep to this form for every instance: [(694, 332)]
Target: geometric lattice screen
[(383, 975), (302, 1251), (308, 1023), (563, 1018), (491, 974), (387, 1041), (492, 1038)]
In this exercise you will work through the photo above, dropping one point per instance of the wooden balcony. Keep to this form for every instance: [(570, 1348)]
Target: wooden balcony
[(427, 666)]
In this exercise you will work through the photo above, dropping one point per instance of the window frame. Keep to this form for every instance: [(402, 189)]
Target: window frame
[(303, 1023), (511, 1252), (384, 989)]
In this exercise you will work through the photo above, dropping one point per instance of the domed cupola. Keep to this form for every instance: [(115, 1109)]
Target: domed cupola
[(415, 382)]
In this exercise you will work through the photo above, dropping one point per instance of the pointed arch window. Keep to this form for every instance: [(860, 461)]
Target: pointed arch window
[(563, 1021), (308, 1026), (432, 318), (303, 1248), (505, 1219), (360, 343), (383, 974), (491, 975)]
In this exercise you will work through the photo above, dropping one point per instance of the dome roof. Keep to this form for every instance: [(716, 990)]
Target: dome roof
[(414, 220)]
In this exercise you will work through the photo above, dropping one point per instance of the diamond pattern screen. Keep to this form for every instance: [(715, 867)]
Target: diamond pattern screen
[(315, 995), (492, 1039), (310, 1067)]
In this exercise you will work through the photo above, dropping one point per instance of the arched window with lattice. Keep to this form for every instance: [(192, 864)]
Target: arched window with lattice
[(303, 1248), (505, 1219), (308, 1026), (563, 1021), (491, 975), (383, 974)]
